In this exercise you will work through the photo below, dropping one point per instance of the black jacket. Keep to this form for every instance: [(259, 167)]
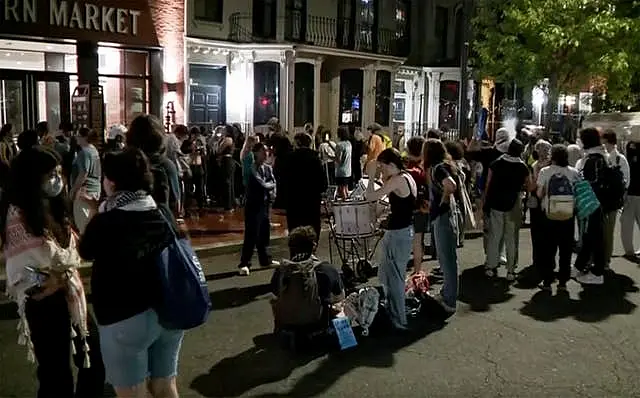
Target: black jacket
[(123, 246), (307, 180)]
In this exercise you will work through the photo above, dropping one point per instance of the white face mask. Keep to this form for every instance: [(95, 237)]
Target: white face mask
[(53, 186)]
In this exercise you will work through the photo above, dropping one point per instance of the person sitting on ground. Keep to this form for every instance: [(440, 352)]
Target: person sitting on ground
[(327, 287)]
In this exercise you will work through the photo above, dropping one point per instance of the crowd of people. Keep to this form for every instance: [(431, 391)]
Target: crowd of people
[(63, 194)]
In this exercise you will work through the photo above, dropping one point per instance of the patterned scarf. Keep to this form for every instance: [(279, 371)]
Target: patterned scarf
[(121, 199), (21, 246)]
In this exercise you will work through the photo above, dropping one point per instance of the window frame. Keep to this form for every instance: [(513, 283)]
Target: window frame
[(219, 11)]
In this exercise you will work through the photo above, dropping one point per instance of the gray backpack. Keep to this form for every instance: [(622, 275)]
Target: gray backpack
[(298, 302)]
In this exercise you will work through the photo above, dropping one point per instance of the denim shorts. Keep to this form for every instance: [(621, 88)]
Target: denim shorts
[(138, 348)]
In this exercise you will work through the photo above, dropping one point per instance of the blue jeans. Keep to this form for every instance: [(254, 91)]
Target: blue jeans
[(138, 348), (446, 245), (396, 249)]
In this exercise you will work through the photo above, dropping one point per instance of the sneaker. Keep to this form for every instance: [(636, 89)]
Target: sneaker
[(271, 263), (440, 300), (545, 287), (575, 273), (503, 261), (244, 271), (511, 276), (490, 272), (590, 279)]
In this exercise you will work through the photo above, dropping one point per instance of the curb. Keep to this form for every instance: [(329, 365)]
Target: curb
[(218, 249)]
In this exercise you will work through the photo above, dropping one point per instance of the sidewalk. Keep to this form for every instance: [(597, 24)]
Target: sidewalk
[(211, 234)]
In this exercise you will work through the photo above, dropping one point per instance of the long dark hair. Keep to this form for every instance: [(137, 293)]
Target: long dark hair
[(43, 216), (435, 152), (391, 156)]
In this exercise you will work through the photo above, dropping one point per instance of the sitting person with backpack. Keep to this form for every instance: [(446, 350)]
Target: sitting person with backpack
[(304, 286), (555, 189)]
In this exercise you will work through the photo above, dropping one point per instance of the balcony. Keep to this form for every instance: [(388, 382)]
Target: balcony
[(323, 32)]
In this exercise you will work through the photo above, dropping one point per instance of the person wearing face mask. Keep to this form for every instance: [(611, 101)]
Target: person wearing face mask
[(42, 278), (398, 237), (85, 180)]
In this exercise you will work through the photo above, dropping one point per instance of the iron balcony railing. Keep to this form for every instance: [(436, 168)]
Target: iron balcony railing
[(326, 32)]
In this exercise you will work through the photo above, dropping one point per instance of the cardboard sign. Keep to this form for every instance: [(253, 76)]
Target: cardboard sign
[(346, 337)]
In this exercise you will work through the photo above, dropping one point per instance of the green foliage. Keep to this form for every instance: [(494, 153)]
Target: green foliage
[(572, 41)]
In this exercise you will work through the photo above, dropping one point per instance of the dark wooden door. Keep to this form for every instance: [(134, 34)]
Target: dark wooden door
[(207, 105)]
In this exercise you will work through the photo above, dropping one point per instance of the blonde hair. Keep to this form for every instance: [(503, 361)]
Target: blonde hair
[(249, 142)]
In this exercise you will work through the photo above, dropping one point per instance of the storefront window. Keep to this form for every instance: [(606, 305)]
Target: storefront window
[(124, 76), (266, 80), (449, 104), (383, 97), (304, 94), (351, 88)]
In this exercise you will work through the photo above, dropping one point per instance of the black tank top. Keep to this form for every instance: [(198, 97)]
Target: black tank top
[(401, 208)]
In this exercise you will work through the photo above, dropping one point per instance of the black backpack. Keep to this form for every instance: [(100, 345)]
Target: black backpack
[(607, 181)]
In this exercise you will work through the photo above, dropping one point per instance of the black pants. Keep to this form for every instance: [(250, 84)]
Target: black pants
[(257, 234), (592, 248), (537, 225), (306, 216), (50, 326), (558, 236), (197, 179)]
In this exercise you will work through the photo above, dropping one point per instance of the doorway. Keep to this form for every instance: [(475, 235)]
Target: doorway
[(29, 97)]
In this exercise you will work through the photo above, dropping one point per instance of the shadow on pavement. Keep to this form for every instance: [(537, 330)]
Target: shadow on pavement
[(263, 363), (594, 304), (237, 296), (267, 362), (480, 292), (8, 311)]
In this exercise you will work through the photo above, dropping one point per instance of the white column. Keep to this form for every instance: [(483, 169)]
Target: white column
[(368, 104), (287, 88), (394, 74), (434, 100), (291, 94), (423, 116), (317, 82), (250, 96)]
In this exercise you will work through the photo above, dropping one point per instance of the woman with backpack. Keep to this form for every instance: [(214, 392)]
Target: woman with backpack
[(442, 175), (135, 347), (555, 189), (592, 167), (398, 237)]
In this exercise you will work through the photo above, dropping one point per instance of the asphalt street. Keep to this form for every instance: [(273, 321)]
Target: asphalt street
[(503, 342)]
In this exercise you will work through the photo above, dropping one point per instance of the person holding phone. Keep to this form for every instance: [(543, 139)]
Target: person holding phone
[(42, 278)]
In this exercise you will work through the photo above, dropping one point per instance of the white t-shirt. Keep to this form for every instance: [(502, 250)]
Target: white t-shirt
[(547, 172)]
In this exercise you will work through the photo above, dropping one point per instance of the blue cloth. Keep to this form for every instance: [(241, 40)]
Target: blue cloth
[(247, 166), (396, 250), (88, 161), (139, 348), (446, 244), (343, 159)]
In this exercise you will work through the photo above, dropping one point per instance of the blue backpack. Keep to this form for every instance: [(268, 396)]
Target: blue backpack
[(184, 301)]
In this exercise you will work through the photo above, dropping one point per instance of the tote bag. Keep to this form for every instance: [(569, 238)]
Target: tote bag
[(586, 201)]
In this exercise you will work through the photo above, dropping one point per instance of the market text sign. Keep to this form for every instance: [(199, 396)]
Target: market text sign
[(65, 18)]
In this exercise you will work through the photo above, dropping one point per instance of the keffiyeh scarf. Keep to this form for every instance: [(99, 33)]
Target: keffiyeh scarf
[(122, 199), (23, 249)]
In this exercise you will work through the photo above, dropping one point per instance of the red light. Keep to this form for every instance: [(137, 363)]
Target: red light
[(264, 101)]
